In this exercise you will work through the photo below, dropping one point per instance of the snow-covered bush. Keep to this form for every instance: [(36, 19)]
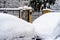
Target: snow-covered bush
[(56, 6), (13, 28)]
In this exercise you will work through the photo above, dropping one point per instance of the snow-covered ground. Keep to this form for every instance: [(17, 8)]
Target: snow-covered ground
[(47, 26), (13, 28)]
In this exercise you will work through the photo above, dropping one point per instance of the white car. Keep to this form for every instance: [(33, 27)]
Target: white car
[(13, 28), (47, 26)]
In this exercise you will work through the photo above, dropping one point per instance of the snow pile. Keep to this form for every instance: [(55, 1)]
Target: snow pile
[(47, 26), (13, 28)]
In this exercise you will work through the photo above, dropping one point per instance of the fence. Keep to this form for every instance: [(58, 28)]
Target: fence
[(21, 12)]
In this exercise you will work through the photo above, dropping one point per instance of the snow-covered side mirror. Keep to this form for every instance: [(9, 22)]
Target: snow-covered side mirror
[(13, 28), (47, 26)]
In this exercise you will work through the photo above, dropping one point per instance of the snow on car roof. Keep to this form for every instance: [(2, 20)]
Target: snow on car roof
[(47, 24), (13, 27)]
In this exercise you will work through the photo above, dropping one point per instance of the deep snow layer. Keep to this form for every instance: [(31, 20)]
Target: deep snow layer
[(47, 26), (12, 28)]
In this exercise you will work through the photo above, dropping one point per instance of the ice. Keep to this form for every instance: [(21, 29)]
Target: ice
[(13, 28), (47, 26)]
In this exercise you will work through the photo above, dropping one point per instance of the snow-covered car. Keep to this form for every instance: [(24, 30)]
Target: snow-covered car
[(47, 26), (13, 28)]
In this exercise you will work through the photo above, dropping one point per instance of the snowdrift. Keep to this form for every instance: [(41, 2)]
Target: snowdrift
[(13, 28), (47, 26)]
